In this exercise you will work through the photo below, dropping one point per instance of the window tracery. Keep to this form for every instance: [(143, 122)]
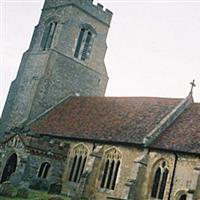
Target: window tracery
[(80, 154), (111, 169), (84, 42), (159, 180)]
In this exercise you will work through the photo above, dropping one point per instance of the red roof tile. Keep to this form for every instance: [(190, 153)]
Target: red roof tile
[(184, 133), (115, 119)]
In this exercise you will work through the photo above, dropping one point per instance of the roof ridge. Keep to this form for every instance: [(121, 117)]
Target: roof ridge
[(168, 120), (68, 98)]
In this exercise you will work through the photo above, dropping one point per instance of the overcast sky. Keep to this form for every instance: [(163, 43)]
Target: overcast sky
[(153, 46)]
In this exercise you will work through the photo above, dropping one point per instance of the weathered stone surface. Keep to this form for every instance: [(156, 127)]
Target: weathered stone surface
[(8, 190), (47, 77)]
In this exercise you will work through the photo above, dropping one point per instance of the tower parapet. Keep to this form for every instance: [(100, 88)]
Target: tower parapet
[(97, 11)]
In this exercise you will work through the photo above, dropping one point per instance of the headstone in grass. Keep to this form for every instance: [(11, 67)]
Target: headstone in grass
[(15, 179), (8, 190), (55, 188), (23, 193), (39, 184)]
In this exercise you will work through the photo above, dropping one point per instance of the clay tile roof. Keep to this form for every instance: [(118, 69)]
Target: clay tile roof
[(184, 134), (114, 119), (46, 145)]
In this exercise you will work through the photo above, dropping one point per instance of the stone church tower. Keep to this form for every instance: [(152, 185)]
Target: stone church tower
[(65, 58)]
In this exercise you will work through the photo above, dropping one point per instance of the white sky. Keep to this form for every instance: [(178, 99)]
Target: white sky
[(153, 46)]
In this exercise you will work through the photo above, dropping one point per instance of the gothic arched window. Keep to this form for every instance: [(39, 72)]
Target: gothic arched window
[(183, 197), (79, 160), (48, 35), (84, 43), (111, 169), (159, 181), (43, 171)]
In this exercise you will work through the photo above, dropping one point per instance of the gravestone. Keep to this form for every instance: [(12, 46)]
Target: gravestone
[(55, 188)]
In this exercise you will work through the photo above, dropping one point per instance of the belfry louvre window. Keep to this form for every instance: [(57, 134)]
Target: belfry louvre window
[(111, 169), (159, 181), (48, 36), (44, 169), (84, 44), (78, 164)]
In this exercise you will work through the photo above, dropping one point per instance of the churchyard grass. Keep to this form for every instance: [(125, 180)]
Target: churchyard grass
[(33, 195)]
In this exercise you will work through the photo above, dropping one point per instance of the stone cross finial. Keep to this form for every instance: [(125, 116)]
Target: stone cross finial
[(192, 86)]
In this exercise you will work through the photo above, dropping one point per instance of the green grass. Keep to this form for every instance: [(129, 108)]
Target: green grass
[(34, 195)]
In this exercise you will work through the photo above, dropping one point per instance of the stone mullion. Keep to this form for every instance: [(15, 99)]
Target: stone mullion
[(83, 44), (113, 174), (160, 181), (108, 172), (80, 168), (75, 167), (43, 170)]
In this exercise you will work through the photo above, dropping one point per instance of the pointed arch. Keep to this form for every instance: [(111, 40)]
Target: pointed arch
[(84, 42), (113, 153), (43, 170), (112, 161), (10, 167), (79, 158), (181, 195), (159, 181)]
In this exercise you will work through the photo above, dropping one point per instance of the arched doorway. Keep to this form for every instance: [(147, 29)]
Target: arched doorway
[(9, 168)]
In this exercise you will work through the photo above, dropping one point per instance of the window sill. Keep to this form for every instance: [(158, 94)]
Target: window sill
[(105, 190)]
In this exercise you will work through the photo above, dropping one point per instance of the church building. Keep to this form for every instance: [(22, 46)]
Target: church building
[(59, 132)]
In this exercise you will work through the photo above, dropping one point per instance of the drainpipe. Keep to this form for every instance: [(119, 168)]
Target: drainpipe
[(173, 176)]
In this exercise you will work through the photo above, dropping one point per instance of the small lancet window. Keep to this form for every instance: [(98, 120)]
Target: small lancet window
[(79, 160), (44, 169), (183, 197), (111, 169), (84, 44), (48, 36), (160, 181)]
